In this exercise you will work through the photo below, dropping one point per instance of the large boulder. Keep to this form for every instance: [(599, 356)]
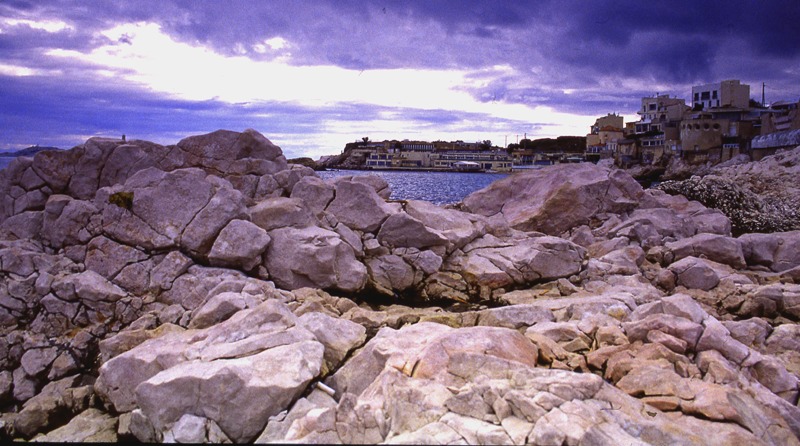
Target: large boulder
[(313, 257), (358, 206), (225, 151), (498, 263), (557, 198), (185, 208), (715, 247), (778, 251)]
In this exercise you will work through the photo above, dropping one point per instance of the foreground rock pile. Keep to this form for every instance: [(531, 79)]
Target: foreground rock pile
[(212, 292)]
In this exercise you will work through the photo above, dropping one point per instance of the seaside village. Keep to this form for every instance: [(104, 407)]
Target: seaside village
[(720, 122)]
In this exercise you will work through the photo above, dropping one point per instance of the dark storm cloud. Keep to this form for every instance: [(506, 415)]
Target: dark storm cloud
[(587, 57)]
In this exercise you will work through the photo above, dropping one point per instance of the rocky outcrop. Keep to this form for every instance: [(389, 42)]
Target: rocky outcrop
[(211, 292), (758, 196), (555, 199)]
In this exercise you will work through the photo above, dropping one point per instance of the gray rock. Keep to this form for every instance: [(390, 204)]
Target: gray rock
[(313, 257), (693, 272), (403, 230), (280, 212), (90, 426), (239, 244), (358, 206), (314, 193), (557, 198), (718, 248)]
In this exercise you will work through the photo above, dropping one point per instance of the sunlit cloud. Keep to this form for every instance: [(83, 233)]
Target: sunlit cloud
[(143, 54), (51, 26)]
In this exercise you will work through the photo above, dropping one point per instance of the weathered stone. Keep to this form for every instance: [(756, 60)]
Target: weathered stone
[(777, 251), (239, 244), (554, 199), (358, 206), (313, 257), (90, 426), (693, 272), (403, 230), (314, 193), (715, 247), (280, 212)]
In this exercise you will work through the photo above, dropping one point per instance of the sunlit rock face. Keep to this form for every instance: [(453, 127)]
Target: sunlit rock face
[(557, 198), (212, 292)]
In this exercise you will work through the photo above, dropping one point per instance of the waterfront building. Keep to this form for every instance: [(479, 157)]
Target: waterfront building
[(496, 160)]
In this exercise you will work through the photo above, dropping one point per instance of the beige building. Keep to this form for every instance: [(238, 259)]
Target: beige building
[(729, 93), (658, 111), (610, 120), (701, 138)]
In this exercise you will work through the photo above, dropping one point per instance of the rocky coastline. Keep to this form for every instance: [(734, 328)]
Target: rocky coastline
[(211, 291)]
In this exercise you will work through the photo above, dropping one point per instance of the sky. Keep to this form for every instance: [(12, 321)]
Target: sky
[(314, 75)]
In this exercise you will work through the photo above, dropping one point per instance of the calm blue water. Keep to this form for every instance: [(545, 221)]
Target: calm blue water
[(436, 187), (5, 161)]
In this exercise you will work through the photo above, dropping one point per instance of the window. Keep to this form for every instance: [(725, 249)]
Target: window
[(652, 106), (714, 94), (705, 96)]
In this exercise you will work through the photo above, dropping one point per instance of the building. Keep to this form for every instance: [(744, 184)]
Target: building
[(729, 93), (498, 161), (610, 120), (658, 112), (701, 138), (606, 129), (765, 145), (781, 116)]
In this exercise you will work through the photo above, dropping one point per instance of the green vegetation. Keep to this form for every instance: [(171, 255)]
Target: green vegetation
[(569, 144), (122, 199)]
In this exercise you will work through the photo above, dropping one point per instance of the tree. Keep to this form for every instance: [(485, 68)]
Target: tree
[(365, 139)]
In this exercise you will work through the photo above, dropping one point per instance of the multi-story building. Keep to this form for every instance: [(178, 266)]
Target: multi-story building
[(605, 130), (610, 120), (658, 112), (729, 93)]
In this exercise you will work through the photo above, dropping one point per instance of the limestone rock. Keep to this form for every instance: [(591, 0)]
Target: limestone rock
[(693, 272), (777, 251), (313, 257), (237, 373), (403, 230), (554, 199), (358, 206), (91, 426), (715, 247), (280, 212), (239, 244)]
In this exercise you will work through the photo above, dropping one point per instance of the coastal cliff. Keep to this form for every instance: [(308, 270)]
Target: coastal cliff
[(210, 291)]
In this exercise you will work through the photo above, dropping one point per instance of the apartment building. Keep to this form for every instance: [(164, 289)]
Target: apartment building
[(658, 112), (728, 93)]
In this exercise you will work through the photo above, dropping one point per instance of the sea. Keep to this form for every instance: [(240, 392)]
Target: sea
[(437, 187), (5, 161)]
